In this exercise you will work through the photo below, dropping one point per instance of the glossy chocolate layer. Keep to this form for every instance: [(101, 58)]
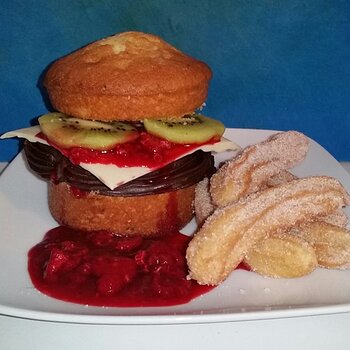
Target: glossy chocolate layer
[(50, 164)]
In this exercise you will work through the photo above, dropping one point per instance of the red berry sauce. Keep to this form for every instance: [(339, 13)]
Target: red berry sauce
[(103, 269), (146, 151)]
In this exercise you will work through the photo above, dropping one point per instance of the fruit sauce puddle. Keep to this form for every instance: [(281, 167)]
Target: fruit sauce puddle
[(102, 269)]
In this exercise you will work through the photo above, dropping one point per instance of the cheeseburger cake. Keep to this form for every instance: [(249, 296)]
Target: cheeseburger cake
[(124, 146)]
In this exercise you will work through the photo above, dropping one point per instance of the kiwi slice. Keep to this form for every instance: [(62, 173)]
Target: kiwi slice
[(194, 128), (68, 132)]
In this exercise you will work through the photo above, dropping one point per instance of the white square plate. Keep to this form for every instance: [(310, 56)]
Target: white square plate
[(25, 218)]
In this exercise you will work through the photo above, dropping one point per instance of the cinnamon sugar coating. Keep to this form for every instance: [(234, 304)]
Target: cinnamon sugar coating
[(230, 232), (282, 256), (251, 170), (128, 76), (203, 205), (331, 243), (149, 215)]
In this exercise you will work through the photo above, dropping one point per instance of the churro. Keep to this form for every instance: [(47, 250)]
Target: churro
[(282, 256), (249, 171), (280, 178), (203, 205), (230, 232), (331, 243), (337, 218)]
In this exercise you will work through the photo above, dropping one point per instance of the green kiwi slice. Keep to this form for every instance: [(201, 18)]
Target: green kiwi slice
[(194, 128), (67, 132)]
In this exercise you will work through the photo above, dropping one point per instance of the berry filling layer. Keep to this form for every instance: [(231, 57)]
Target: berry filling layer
[(146, 151)]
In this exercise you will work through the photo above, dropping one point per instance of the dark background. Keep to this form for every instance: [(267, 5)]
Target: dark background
[(277, 64)]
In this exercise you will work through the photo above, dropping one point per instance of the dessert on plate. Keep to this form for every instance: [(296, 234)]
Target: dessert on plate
[(128, 159), (125, 147)]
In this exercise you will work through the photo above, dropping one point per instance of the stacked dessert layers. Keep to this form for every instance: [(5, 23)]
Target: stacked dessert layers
[(124, 149)]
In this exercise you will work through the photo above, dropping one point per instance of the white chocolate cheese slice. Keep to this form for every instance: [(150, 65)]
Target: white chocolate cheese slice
[(112, 175)]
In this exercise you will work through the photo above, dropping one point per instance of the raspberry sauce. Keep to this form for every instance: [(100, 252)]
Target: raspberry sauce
[(103, 269), (146, 151)]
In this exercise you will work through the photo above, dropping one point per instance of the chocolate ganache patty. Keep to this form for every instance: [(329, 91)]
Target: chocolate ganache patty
[(50, 164)]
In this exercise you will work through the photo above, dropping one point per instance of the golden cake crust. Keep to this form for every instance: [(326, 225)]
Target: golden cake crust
[(150, 215), (128, 76)]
